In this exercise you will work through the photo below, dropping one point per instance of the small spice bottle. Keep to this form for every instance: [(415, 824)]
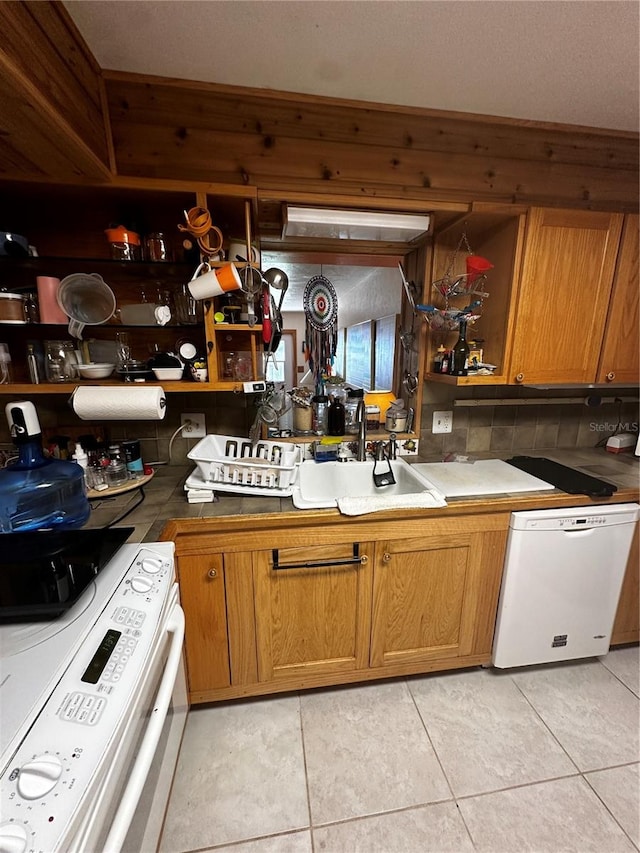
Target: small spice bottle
[(438, 360)]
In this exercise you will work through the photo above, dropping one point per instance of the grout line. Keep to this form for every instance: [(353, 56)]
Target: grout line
[(435, 752), (306, 773), (616, 676), (544, 723), (584, 776)]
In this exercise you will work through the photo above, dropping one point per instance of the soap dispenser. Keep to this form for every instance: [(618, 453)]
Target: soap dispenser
[(38, 492)]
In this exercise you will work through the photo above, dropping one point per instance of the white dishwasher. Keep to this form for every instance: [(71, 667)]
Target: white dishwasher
[(561, 584)]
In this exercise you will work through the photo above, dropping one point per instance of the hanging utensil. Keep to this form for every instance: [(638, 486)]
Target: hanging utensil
[(252, 286), (266, 314), (408, 288), (278, 279)]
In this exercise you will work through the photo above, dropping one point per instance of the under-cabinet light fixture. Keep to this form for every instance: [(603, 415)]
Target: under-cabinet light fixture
[(354, 224)]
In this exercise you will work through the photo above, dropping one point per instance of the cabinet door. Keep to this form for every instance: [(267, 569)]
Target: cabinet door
[(620, 356), (202, 594), (567, 275), (435, 596), (626, 628), (312, 620)]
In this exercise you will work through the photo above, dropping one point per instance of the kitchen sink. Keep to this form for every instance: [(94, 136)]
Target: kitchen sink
[(321, 484)]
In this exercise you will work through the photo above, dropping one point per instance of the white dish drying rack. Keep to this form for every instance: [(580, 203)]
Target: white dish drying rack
[(233, 464)]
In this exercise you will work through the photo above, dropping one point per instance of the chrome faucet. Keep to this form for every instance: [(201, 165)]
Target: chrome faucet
[(361, 420)]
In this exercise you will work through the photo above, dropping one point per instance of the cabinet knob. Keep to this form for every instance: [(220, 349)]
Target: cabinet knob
[(386, 557), (364, 560), (610, 377), (519, 377), (212, 573)]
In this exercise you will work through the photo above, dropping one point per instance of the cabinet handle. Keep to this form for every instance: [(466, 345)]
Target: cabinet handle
[(357, 559), (212, 573), (386, 557), (610, 377), (519, 377)]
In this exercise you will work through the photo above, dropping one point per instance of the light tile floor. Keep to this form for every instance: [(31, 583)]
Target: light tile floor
[(541, 759)]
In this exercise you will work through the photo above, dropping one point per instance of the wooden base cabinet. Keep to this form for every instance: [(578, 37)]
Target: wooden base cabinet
[(434, 596), (202, 594), (365, 601), (626, 628), (312, 620)]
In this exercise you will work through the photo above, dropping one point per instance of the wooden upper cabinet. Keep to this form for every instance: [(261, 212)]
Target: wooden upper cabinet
[(561, 312), (619, 361)]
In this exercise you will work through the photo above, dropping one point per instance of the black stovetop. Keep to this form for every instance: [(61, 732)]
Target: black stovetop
[(44, 572)]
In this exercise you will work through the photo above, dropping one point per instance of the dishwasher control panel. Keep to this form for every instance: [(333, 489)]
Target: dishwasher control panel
[(575, 518)]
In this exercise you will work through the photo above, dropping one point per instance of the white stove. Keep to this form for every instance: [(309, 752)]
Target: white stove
[(84, 699)]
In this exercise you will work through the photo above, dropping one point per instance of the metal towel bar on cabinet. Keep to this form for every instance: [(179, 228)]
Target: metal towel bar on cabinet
[(357, 559)]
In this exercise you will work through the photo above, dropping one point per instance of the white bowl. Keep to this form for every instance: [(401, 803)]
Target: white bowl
[(95, 370), (168, 373)]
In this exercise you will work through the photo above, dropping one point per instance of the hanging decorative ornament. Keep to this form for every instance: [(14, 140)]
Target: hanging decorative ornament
[(321, 312)]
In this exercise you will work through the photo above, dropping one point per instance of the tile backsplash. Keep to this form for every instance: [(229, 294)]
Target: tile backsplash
[(225, 413), (502, 429), (543, 421)]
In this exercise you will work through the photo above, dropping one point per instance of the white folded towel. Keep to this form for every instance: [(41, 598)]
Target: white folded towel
[(361, 506)]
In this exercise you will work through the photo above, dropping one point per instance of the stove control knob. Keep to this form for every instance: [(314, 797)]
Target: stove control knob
[(141, 584), (151, 566), (39, 776), (13, 838)]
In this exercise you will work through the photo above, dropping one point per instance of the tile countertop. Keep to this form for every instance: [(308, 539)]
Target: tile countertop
[(165, 497)]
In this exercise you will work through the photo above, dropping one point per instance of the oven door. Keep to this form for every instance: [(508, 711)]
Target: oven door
[(148, 740)]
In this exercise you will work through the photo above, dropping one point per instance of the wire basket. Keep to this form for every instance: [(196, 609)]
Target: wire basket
[(461, 285), (445, 320)]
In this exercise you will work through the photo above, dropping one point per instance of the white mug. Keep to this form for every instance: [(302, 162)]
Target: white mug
[(214, 282)]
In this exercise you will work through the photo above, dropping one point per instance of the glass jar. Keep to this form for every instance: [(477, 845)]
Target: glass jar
[(228, 366), (157, 248), (354, 395), (302, 419), (319, 410), (124, 245), (59, 361), (116, 470), (242, 368)]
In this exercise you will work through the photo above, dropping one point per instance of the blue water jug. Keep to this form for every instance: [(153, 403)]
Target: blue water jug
[(38, 492)]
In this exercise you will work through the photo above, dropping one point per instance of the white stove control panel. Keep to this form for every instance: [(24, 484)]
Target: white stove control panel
[(52, 771)]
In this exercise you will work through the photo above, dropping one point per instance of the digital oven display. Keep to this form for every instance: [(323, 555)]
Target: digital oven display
[(101, 658)]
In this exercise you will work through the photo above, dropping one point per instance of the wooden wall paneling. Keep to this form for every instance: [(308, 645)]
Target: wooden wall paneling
[(346, 167), (311, 143), (46, 64), (274, 114)]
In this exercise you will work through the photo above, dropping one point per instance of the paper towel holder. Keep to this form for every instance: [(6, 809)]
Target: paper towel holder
[(162, 403)]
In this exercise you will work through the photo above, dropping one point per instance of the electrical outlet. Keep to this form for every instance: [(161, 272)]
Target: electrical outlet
[(442, 422), (195, 425)]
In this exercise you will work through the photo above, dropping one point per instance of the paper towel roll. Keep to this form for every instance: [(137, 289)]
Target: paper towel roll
[(129, 403)]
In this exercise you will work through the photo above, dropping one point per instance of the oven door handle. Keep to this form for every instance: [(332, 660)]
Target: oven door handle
[(140, 769)]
